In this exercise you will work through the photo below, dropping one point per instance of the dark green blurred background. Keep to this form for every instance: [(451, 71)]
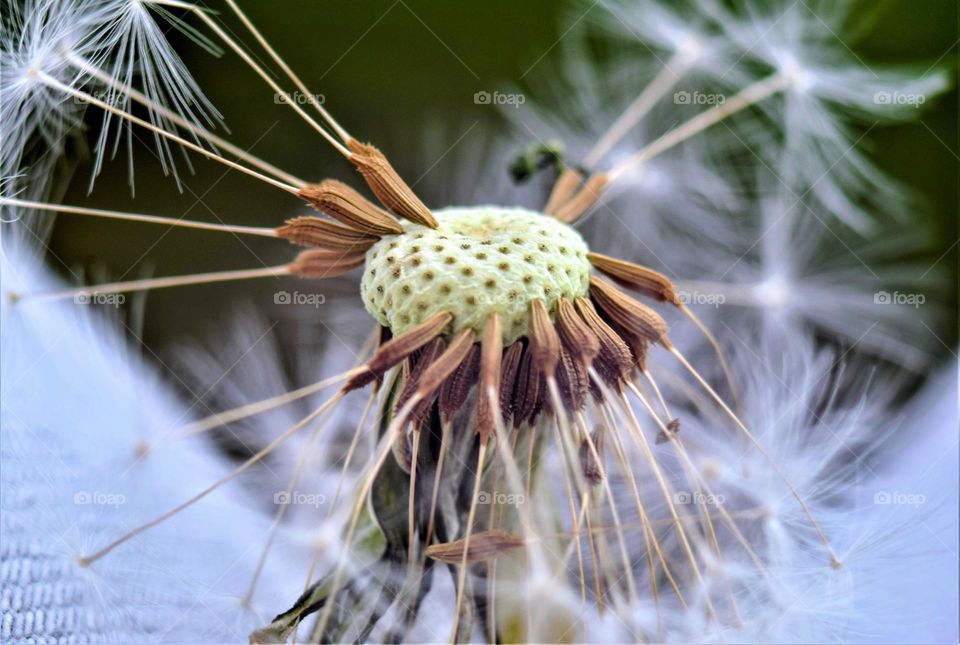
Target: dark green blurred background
[(392, 72)]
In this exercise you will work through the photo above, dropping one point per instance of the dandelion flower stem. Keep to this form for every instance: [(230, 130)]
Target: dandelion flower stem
[(750, 95), (92, 100), (137, 217)]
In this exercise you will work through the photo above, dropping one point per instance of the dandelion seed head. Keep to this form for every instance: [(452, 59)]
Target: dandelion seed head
[(479, 261)]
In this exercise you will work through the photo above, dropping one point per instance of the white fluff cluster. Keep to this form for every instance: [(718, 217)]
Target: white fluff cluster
[(90, 450), (776, 213)]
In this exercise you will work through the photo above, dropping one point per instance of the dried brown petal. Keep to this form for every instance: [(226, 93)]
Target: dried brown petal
[(454, 391), (544, 346), (396, 349), (346, 205), (484, 546), (314, 231), (321, 263), (637, 278), (628, 313), (490, 361), (567, 183), (586, 197), (394, 193)]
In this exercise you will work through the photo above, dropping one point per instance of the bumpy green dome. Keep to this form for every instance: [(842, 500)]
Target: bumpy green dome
[(480, 260)]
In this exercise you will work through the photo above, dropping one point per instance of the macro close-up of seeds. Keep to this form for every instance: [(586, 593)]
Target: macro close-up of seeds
[(587, 321)]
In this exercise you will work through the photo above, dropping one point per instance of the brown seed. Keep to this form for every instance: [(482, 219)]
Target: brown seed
[(396, 349), (509, 366), (526, 390), (456, 388), (490, 361), (394, 193), (544, 342), (415, 368), (592, 470), (321, 263), (586, 197), (673, 427), (446, 363), (567, 183), (614, 360), (576, 335), (346, 205), (637, 278), (572, 380), (628, 313), (484, 546), (314, 231)]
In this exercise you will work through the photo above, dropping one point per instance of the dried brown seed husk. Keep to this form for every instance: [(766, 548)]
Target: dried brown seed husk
[(416, 367), (394, 193), (544, 348), (575, 335), (636, 278), (322, 263), (673, 427), (629, 314), (456, 388), (526, 390), (491, 358), (567, 184), (344, 204), (484, 546), (592, 470), (509, 368), (396, 349), (314, 231), (572, 380), (446, 363), (585, 198), (614, 360)]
